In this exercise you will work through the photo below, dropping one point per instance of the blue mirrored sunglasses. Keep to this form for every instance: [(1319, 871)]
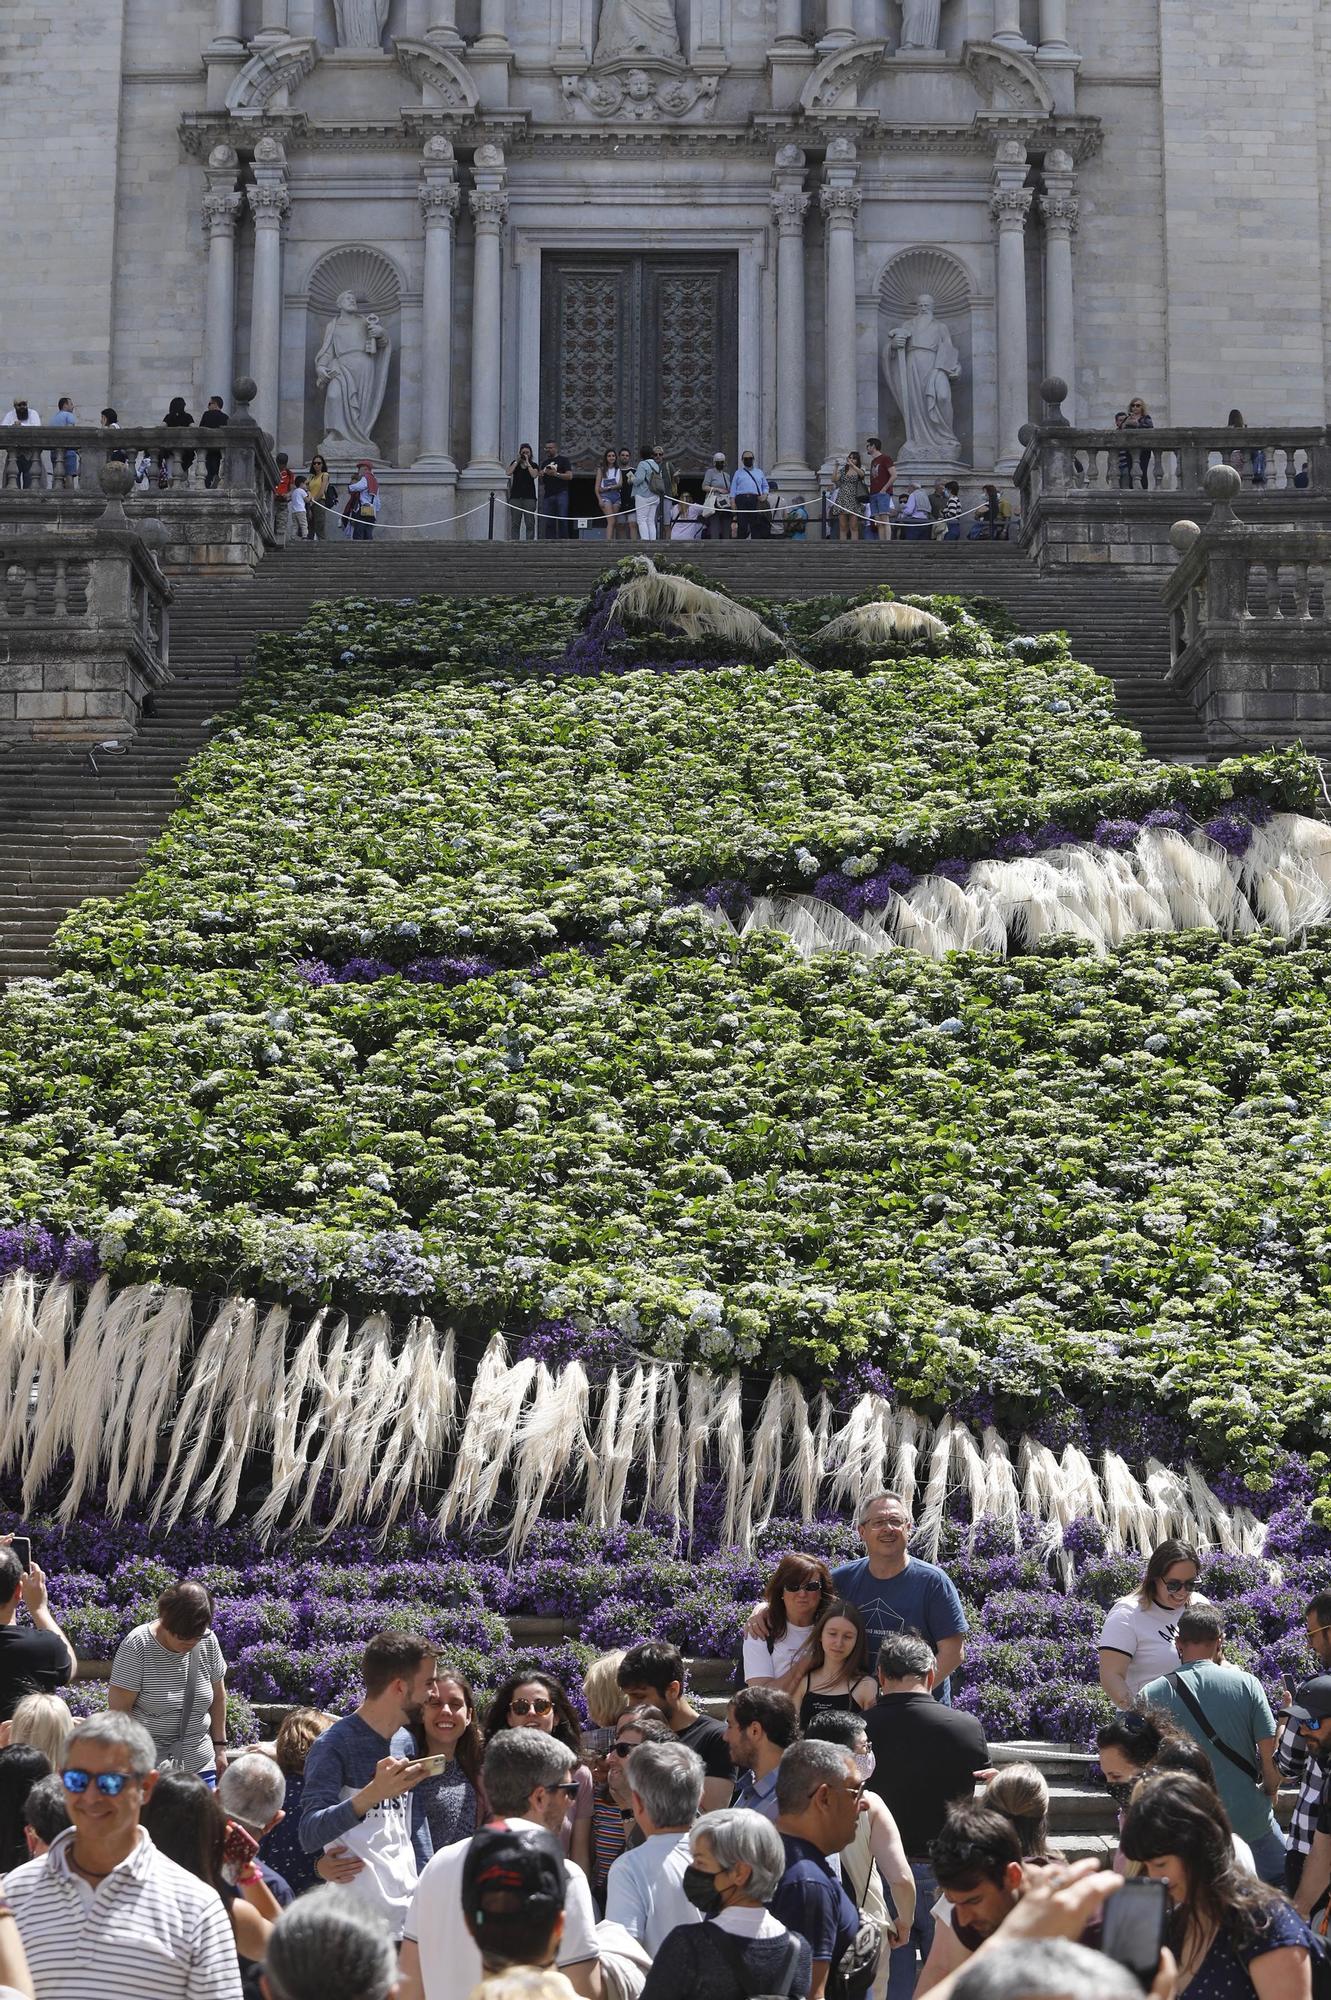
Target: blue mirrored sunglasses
[(109, 1783)]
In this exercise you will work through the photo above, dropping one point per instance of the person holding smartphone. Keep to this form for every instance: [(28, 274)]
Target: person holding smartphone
[(35, 1658)]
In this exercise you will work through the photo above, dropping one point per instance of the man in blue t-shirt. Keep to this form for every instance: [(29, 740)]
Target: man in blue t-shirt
[(819, 1796), (897, 1592)]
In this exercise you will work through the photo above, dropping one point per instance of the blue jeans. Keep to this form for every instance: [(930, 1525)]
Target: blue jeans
[(557, 504), (904, 1968), (1268, 1855)]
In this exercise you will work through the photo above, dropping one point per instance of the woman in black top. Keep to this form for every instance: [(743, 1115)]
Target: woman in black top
[(736, 1860), (522, 494), (177, 418), (833, 1671)]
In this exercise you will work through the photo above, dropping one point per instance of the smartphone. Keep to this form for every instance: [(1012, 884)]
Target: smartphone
[(432, 1767), (1134, 1926), (22, 1547)]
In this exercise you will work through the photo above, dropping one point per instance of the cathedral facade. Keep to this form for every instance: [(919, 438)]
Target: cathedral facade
[(432, 230)]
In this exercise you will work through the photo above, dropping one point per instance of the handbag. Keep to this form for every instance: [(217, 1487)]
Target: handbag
[(367, 511), (174, 1759), (709, 505)]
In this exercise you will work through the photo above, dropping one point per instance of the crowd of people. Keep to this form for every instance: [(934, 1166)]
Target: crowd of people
[(842, 1832)]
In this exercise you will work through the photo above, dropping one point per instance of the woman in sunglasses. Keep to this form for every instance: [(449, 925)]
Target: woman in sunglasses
[(537, 1701), (1137, 1640), (798, 1591)]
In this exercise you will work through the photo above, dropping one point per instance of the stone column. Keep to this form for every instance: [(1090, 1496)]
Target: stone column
[(1007, 25), (443, 26), (1058, 206), (227, 37), (274, 27), (221, 211), (439, 207), (494, 23), (1009, 204), (790, 203), (840, 28), (789, 20), (489, 208), (1054, 24), (839, 199), (269, 202)]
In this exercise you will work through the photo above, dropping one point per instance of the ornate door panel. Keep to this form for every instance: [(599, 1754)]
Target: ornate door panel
[(637, 347)]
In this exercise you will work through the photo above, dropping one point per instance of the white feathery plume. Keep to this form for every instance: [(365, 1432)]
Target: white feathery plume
[(1002, 1501), (764, 1455), (222, 1365), (929, 1529), (651, 1397), (313, 1443), (832, 928), (700, 1404), (341, 1381), (290, 1449), (624, 1450), (487, 1435), (598, 1475), (968, 918), (1172, 1503), (416, 1448), (881, 623), (972, 1470), (41, 1366), (18, 1335), (553, 1433), (804, 1471), (374, 1418), (412, 1368), (717, 920), (247, 1418), (657, 600), (1080, 1489), (1131, 1520), (1290, 838), (912, 1435), (913, 929), (670, 1452), (729, 1411), (104, 1344), (1214, 1521), (145, 1393), (851, 1452)]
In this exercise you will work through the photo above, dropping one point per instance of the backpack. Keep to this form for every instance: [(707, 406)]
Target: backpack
[(655, 483), (733, 1948)]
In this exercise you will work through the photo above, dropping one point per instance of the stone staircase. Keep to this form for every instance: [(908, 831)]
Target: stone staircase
[(73, 827)]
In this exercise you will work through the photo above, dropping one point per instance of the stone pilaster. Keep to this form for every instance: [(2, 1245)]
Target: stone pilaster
[(488, 202), (790, 205), (439, 198), (1009, 204), (1058, 209), (490, 57), (270, 203), (222, 207), (839, 200)]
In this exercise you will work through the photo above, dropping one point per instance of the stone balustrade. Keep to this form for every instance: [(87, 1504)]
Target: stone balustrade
[(1249, 610), (1111, 496), (210, 530), (84, 627)]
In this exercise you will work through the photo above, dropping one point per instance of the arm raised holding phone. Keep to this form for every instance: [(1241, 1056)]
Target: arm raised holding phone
[(31, 1662)]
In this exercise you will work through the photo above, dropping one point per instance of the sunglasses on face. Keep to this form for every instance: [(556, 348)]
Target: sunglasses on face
[(622, 1749), (814, 1589), (109, 1783), (569, 1791), (1177, 1588), (541, 1706)]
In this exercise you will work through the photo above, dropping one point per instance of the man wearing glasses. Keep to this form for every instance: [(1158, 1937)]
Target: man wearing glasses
[(819, 1796), (103, 1915)]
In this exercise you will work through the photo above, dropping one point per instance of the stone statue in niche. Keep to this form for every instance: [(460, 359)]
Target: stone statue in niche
[(638, 28), (920, 23), (922, 365), (361, 23), (352, 368)]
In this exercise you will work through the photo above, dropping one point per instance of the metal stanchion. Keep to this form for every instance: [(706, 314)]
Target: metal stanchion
[(490, 534)]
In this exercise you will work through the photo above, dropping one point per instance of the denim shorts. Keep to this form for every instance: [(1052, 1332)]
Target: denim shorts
[(879, 503)]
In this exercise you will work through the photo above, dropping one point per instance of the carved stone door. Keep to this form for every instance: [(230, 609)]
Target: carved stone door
[(638, 347)]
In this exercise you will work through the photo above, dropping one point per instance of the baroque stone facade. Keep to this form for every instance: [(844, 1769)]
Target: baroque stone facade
[(594, 215)]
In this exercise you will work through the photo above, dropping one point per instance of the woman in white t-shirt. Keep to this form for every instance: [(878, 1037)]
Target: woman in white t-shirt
[(798, 1591), (1137, 1639)]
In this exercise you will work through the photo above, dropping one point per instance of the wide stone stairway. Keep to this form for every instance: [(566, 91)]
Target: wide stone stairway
[(69, 831)]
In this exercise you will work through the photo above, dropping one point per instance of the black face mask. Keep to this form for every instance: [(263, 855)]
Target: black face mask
[(1121, 1790), (702, 1892)]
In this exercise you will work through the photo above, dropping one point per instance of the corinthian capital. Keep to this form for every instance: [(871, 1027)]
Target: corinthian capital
[(221, 212), (439, 201), (489, 207), (1010, 206), (789, 208), (269, 203), (1059, 212), (839, 204)]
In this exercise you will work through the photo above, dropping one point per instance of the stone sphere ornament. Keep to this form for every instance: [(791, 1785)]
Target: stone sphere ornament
[(1054, 389), (1182, 535), (1222, 483), (115, 479), (1027, 433)]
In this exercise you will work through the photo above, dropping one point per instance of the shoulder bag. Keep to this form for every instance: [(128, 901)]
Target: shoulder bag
[(1198, 1714)]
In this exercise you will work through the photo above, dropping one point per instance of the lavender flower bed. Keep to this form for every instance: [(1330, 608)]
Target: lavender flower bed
[(292, 1623)]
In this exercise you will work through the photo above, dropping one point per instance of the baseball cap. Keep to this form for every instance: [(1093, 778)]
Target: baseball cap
[(1312, 1702), (512, 1871)]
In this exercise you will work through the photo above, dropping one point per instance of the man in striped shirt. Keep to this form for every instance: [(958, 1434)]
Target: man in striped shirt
[(1294, 1758), (103, 1915)]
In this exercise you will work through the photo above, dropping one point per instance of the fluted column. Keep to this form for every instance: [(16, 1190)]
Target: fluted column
[(1009, 204), (1058, 207), (439, 206), (222, 206), (790, 203), (269, 201), (488, 202), (839, 199)]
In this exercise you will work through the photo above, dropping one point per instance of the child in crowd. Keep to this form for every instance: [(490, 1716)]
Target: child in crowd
[(297, 504)]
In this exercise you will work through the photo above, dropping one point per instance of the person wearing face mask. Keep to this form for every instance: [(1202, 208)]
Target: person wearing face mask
[(748, 496), (716, 499), (1126, 1748), (736, 1860), (1137, 1638), (876, 1855)]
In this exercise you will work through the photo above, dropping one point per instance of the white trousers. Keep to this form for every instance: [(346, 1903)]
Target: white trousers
[(648, 511)]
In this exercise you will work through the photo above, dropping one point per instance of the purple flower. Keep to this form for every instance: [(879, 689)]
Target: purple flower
[(32, 1247), (1168, 818), (953, 868), (1051, 834), (878, 890), (1234, 835), (1116, 832), (314, 971), (1011, 845), (835, 888)]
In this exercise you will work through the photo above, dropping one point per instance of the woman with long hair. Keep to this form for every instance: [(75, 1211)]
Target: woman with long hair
[(1020, 1793), (798, 1591), (1137, 1638), (320, 493), (1138, 418), (44, 1721), (451, 1801), (362, 508), (609, 490), (20, 1768), (1184, 1753), (850, 493), (832, 1670), (537, 1701), (185, 1823), (1127, 1747), (1234, 1938)]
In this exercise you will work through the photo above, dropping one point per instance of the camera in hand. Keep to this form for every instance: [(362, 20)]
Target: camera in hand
[(22, 1547), (1135, 1926)]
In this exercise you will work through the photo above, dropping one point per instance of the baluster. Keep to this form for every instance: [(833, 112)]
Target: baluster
[(1301, 591)]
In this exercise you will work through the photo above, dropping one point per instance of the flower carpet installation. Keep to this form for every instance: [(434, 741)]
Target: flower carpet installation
[(557, 1065)]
